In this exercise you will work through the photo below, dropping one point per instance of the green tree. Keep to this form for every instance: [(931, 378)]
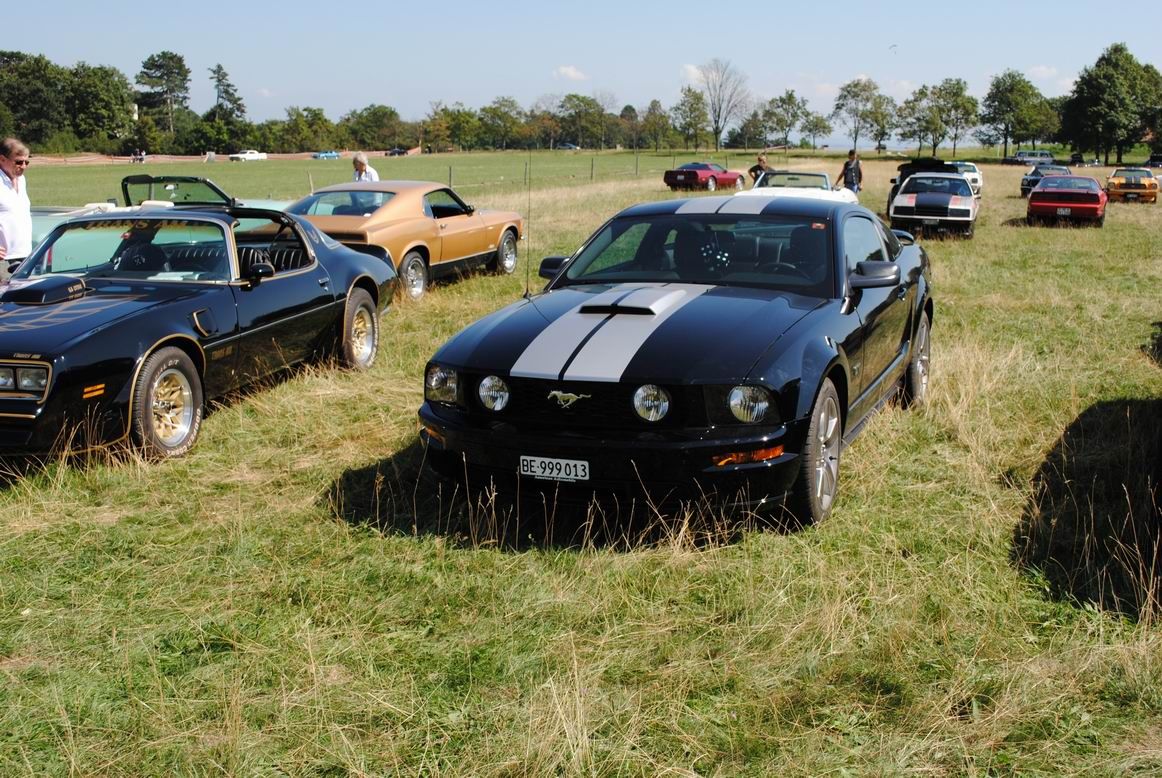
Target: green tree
[(816, 126), (167, 81), (374, 127), (463, 126), (751, 131), (881, 119), (631, 125), (958, 110), (228, 106), (1007, 106), (499, 121), (913, 117), (852, 105), (36, 92), (656, 123), (783, 114), (1113, 103), (100, 102), (582, 115), (690, 117), (724, 87)]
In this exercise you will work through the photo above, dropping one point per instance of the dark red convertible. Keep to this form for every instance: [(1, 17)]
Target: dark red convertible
[(702, 175)]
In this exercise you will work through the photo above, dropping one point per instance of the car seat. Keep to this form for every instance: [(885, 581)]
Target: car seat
[(143, 257)]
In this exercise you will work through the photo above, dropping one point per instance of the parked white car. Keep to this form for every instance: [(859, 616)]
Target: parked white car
[(793, 183), (249, 155), (972, 173), (935, 202)]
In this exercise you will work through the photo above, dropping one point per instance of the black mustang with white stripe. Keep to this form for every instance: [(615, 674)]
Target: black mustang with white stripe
[(715, 346)]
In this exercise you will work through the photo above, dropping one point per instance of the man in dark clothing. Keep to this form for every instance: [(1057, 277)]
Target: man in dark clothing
[(758, 169), (852, 174)]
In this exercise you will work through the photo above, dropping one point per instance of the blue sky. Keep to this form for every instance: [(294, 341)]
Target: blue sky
[(406, 55)]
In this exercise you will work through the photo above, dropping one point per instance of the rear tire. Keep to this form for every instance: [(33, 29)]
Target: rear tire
[(738, 183), (504, 263), (167, 404), (915, 392), (711, 184), (413, 271), (818, 482), (360, 335)]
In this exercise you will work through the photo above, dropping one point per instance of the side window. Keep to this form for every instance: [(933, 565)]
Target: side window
[(861, 242), (441, 204), (264, 240)]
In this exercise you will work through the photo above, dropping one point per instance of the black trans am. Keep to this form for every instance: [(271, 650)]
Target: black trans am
[(123, 324), (718, 346)]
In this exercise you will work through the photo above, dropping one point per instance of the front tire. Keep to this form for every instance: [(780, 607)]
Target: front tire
[(818, 482), (360, 336), (414, 273), (738, 183), (711, 184), (504, 263), (167, 404), (916, 378)]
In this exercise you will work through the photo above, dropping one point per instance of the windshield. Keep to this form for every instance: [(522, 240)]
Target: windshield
[(155, 249), (940, 185), (174, 189), (775, 252), (781, 178), (344, 203), (1132, 173)]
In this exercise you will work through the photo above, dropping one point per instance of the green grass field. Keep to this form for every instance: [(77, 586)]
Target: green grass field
[(296, 598)]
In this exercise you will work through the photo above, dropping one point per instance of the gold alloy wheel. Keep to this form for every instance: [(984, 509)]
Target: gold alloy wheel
[(172, 407), (362, 336)]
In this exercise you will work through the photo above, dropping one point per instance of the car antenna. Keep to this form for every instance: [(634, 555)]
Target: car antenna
[(311, 181), (528, 222)]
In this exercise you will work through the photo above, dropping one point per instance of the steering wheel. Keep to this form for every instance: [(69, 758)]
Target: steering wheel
[(788, 268), (142, 257)]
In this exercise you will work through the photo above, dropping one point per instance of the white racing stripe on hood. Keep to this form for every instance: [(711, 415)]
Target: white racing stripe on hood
[(616, 337)]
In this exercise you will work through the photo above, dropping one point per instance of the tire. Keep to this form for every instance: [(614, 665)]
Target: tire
[(167, 404), (413, 271), (360, 336), (505, 260), (969, 231), (1031, 220), (738, 183), (711, 184), (818, 482), (1101, 222), (915, 392)]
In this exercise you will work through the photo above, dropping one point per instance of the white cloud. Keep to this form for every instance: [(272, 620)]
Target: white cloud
[(1065, 85), (691, 74), (900, 89), (825, 90), (264, 92), (1042, 72), (569, 73)]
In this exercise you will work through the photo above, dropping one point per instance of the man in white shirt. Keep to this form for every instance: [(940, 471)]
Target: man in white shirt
[(15, 208), (363, 171)]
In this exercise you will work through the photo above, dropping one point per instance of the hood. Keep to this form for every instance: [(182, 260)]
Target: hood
[(30, 326), (668, 333)]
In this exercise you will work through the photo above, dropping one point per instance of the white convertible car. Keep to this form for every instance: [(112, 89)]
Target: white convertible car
[(249, 155), (972, 173), (791, 183)]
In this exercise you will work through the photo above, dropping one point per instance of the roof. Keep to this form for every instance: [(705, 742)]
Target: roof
[(935, 174), (744, 206)]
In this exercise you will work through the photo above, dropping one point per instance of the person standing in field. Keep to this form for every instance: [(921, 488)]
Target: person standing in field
[(363, 171), (758, 168), (852, 174), (15, 207)]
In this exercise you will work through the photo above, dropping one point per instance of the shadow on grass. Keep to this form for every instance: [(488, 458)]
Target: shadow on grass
[(1091, 527), (400, 495)]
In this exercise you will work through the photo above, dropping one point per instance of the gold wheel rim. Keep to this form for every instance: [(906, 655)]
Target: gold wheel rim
[(362, 336), (172, 407)]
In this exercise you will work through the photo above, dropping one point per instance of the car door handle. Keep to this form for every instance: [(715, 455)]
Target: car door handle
[(323, 282), (443, 226), (901, 292)]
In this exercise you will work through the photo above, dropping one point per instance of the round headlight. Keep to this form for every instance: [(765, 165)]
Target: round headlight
[(749, 403), (440, 384), (651, 402), (493, 393)]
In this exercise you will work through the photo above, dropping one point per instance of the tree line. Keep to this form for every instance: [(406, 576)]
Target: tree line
[(1115, 104)]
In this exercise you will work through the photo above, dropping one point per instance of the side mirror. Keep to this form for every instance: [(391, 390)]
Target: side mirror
[(874, 275), (469, 209), (892, 181), (259, 271), (550, 266)]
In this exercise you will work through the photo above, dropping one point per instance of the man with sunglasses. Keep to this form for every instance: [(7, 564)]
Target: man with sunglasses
[(15, 208)]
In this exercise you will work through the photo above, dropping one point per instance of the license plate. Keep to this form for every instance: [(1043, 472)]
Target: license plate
[(931, 222), (680, 177), (1064, 211), (554, 469), (1131, 196)]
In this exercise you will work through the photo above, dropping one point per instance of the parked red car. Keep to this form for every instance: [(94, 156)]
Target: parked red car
[(1067, 198), (702, 175)]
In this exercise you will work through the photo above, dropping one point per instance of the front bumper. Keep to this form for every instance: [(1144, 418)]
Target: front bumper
[(1133, 195), (665, 467)]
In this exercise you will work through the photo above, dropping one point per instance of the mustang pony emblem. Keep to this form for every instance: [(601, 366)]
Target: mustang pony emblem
[(565, 399)]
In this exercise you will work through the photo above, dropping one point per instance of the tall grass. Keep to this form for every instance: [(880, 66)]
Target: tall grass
[(298, 597)]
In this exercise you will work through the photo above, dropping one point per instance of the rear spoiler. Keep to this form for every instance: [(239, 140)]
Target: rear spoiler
[(376, 251)]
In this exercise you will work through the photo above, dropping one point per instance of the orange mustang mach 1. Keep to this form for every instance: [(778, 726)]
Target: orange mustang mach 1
[(428, 230)]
